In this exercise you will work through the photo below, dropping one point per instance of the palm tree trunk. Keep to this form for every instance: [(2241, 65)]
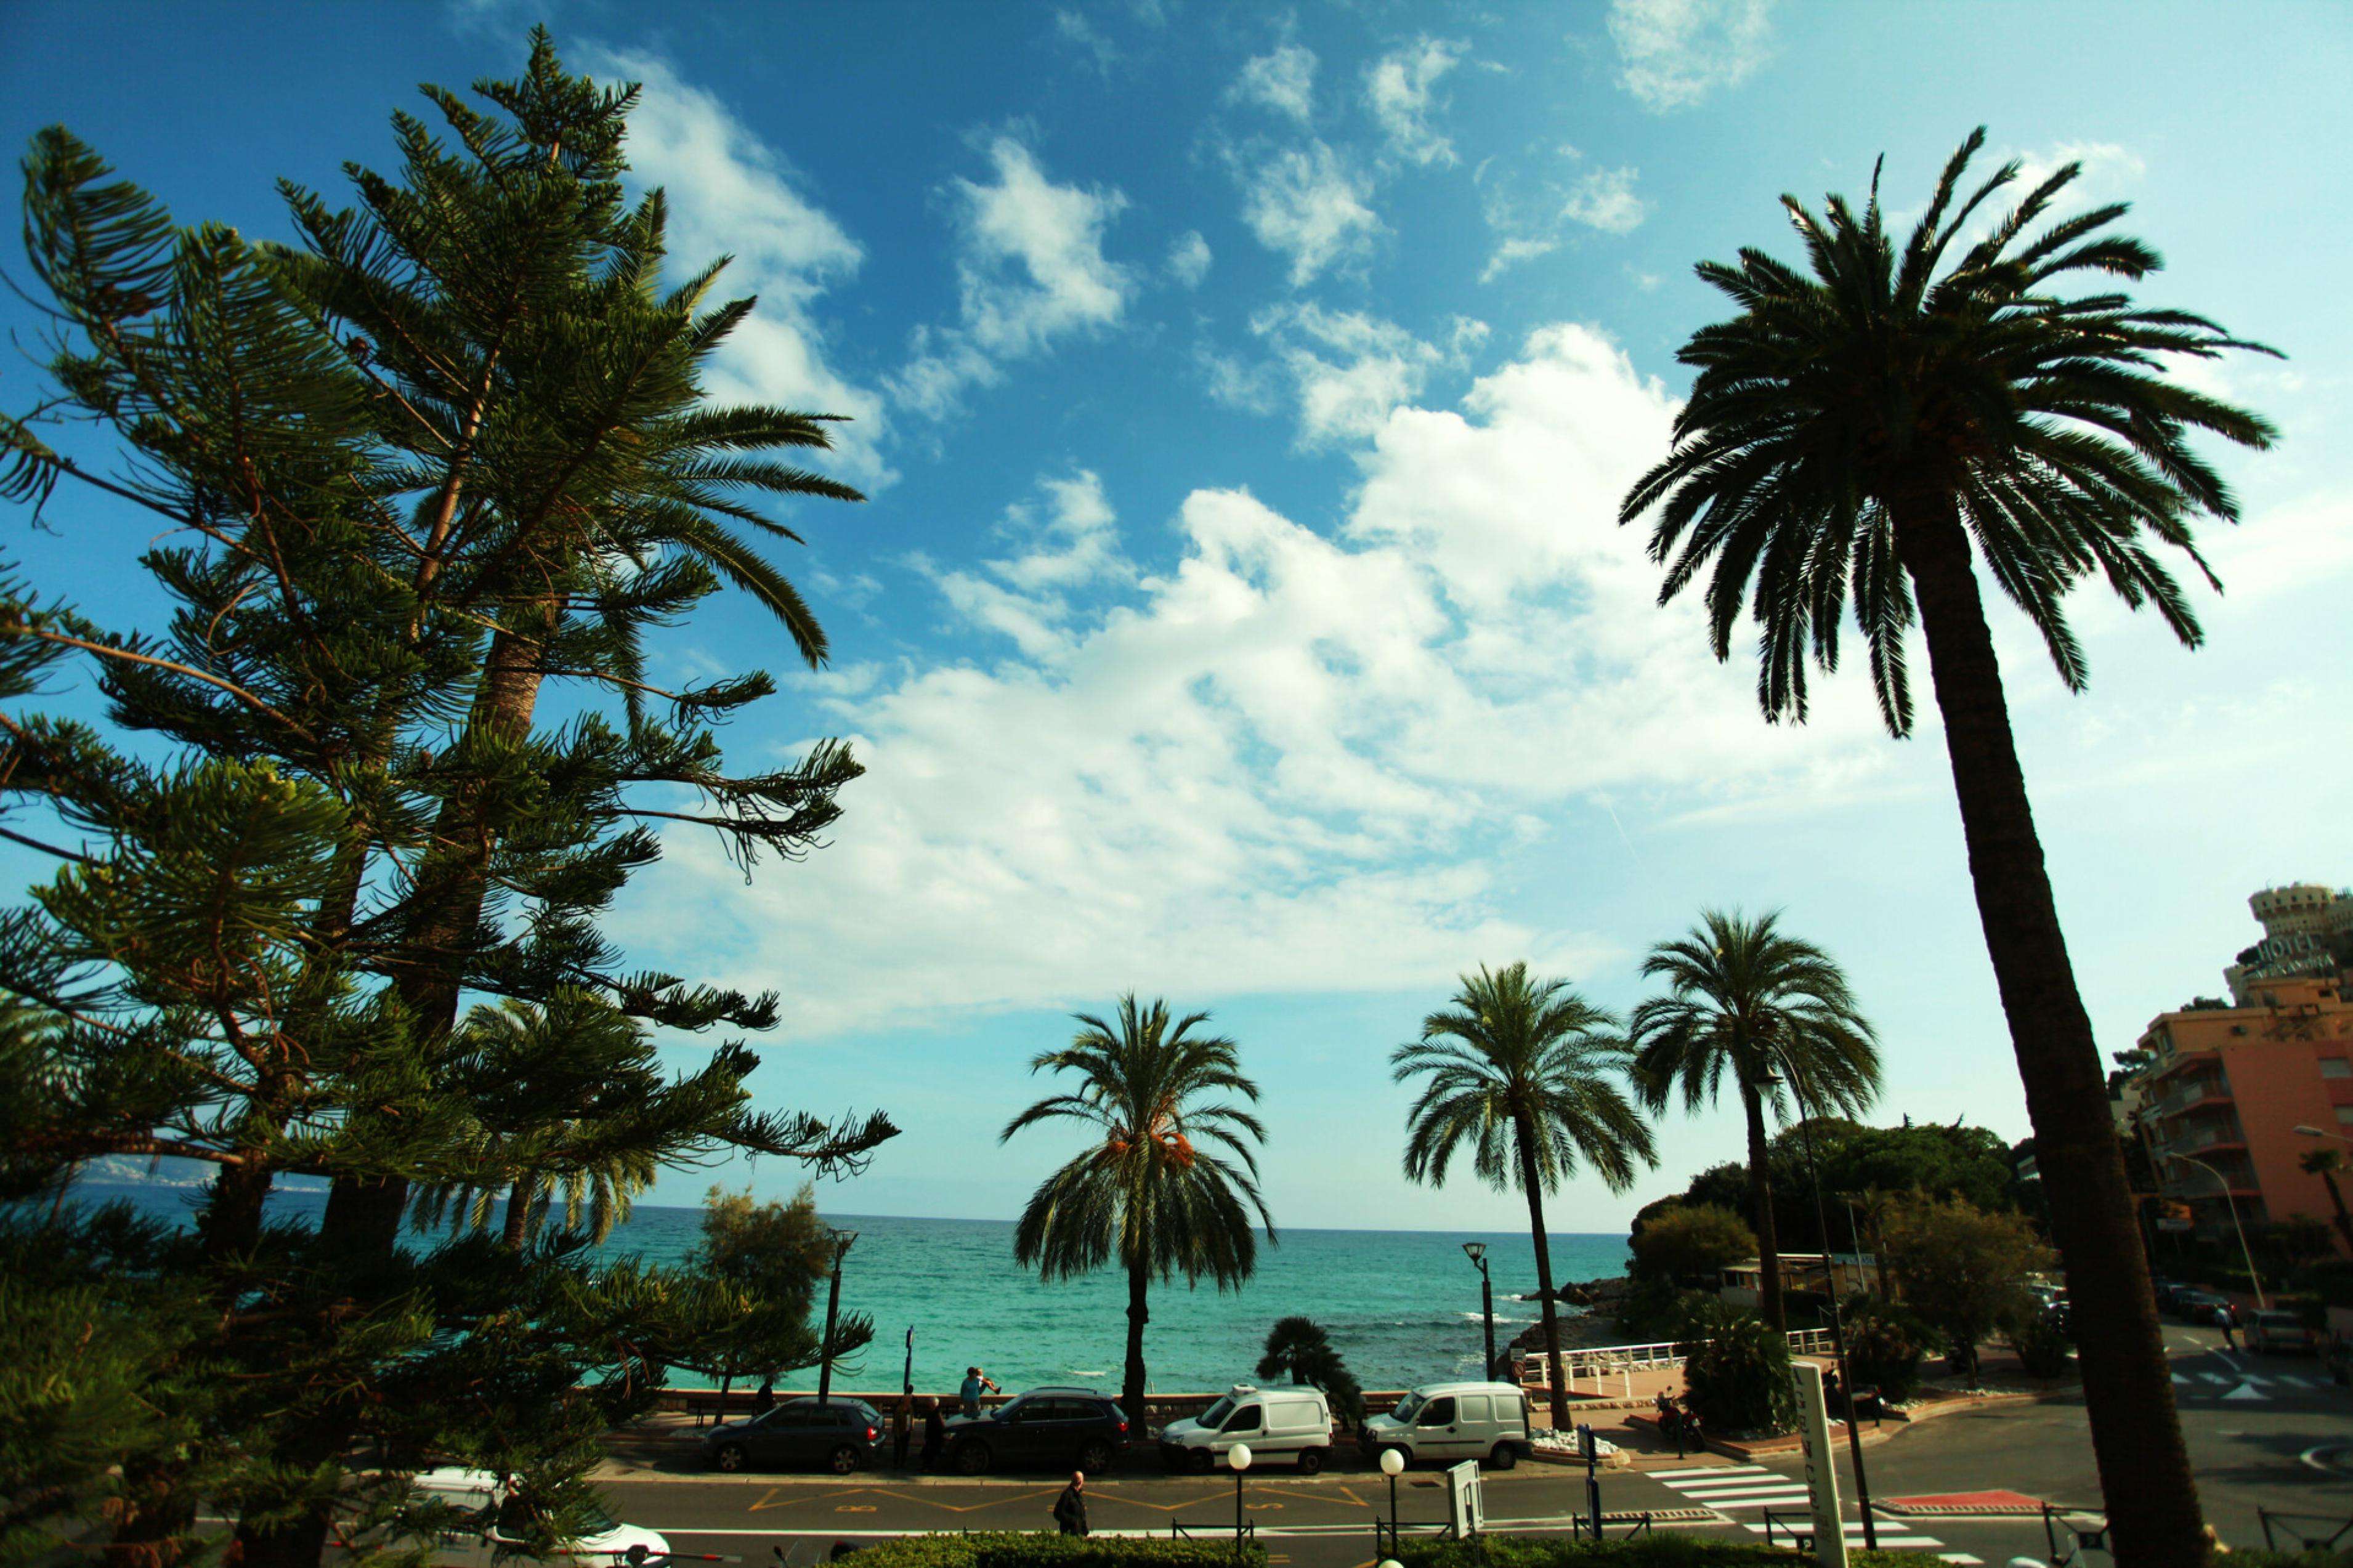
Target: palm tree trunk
[(518, 1217), (1131, 1387), (1523, 1136), (1769, 1305), (2145, 1473)]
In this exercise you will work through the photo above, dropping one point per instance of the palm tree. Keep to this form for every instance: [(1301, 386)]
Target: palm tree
[(1878, 427), (1299, 1349), (1774, 1013), (2325, 1163), (1147, 1194), (1520, 1069)]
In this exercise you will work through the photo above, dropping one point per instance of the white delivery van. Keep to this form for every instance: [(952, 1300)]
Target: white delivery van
[(476, 1542), (1287, 1425), (1451, 1422)]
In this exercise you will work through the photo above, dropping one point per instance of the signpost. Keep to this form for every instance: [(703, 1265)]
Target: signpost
[(1822, 1471), (1592, 1484), (1466, 1508)]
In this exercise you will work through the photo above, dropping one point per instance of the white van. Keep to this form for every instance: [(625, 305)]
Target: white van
[(1291, 1425), (1451, 1422), (609, 1544)]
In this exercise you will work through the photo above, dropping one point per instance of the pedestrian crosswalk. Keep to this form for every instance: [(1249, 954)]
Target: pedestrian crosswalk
[(2236, 1384), (1733, 1489)]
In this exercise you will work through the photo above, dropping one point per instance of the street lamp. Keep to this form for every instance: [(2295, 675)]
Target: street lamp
[(1830, 1280), (2228, 1197), (2305, 1130), (1238, 1456), (1392, 1463), (1477, 1252), (842, 1240)]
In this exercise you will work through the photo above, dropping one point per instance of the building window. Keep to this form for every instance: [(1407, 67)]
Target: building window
[(2345, 1115), (2336, 1066)]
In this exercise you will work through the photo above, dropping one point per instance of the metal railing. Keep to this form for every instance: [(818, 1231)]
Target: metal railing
[(2278, 1525), (1596, 1362), (2083, 1529)]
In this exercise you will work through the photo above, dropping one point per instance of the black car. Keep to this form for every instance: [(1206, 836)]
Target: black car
[(1061, 1428), (841, 1435)]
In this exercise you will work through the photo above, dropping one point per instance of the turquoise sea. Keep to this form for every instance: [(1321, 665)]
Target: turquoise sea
[(1401, 1306)]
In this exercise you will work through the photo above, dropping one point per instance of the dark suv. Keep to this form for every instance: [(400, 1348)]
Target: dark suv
[(1063, 1428), (841, 1435)]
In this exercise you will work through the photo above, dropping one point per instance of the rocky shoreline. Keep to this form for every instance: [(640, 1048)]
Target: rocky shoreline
[(1588, 1317)]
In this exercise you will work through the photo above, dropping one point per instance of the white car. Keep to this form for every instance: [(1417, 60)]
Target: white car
[(1290, 1423), (1455, 1421), (609, 1544)]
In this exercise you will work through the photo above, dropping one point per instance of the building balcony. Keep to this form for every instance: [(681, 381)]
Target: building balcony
[(2189, 1097)]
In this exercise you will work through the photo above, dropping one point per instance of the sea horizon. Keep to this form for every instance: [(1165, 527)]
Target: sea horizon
[(1401, 1306)]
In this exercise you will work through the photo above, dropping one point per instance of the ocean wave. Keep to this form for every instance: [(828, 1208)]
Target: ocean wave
[(1083, 1372)]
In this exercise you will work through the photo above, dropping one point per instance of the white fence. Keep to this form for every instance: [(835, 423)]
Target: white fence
[(1602, 1364)]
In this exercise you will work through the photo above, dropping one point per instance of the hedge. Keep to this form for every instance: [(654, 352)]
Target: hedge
[(1045, 1549), (1677, 1548)]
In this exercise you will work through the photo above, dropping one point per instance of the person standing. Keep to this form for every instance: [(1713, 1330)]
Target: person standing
[(936, 1434), (2226, 1318), (901, 1420), (976, 1383), (1070, 1508)]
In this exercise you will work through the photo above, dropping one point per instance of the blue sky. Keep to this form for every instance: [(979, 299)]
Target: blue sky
[(1244, 394)]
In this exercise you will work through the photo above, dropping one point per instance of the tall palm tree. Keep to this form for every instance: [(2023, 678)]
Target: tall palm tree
[(1520, 1069), (1775, 1013), (2326, 1164), (1879, 428), (1147, 1194)]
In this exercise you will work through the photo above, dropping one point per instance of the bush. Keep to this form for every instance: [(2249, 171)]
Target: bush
[(1739, 1380), (1691, 1241), (1884, 1347), (1010, 1549), (2043, 1347), (1665, 1549), (2331, 1280)]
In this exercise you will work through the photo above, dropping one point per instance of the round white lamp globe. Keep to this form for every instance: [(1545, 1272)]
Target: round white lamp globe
[(1238, 1456), (1392, 1462)]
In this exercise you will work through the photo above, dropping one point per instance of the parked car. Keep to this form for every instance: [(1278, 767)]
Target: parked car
[(1283, 1425), (497, 1528), (841, 1436), (2194, 1305), (2338, 1359), (1452, 1422), (2276, 1332), (1061, 1429), (2163, 1287)]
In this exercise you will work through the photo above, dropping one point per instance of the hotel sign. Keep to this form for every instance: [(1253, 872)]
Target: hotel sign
[(2278, 957)]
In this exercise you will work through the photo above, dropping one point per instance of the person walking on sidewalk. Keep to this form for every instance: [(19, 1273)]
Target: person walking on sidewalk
[(2226, 1318), (1070, 1508), (936, 1434)]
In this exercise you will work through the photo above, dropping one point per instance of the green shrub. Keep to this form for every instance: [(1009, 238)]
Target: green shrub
[(1663, 1549), (2041, 1346), (1884, 1347), (1044, 1549), (1739, 1380)]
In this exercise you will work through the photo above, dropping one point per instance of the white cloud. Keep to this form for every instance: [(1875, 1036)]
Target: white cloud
[(1288, 762), (1306, 203), (731, 194), (1349, 371), (1281, 81), (1069, 543), (1398, 89), (1030, 271), (1605, 199), (1189, 258), (1673, 53), (1091, 43), (1236, 383), (1511, 252)]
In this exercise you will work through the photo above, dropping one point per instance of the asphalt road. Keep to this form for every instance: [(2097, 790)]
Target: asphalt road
[(2258, 1429)]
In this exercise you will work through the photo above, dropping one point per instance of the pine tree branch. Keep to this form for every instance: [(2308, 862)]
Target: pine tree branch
[(129, 656)]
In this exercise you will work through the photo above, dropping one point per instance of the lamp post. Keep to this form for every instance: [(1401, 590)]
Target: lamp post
[(1392, 1462), (1238, 1456), (2305, 1130), (1838, 1330), (842, 1240), (1477, 1252), (2228, 1197)]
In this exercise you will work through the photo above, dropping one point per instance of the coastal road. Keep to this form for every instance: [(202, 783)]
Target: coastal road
[(2258, 1429)]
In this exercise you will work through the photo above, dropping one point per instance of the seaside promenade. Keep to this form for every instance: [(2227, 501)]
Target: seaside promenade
[(2261, 1435)]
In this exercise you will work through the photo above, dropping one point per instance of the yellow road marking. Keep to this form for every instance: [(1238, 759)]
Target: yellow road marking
[(855, 1508), (765, 1501)]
